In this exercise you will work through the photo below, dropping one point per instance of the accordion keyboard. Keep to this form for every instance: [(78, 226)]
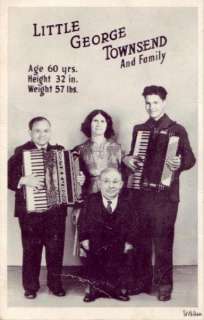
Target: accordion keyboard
[(140, 150), (34, 165)]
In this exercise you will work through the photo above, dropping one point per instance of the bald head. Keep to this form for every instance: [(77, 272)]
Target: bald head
[(110, 182), (110, 170)]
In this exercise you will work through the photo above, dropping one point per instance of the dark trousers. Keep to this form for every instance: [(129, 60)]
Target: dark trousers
[(38, 230), (157, 220), (107, 271)]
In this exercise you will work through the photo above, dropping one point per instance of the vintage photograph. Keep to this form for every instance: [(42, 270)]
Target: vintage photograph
[(103, 149)]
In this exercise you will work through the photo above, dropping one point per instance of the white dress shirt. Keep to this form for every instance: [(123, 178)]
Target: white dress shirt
[(114, 202)]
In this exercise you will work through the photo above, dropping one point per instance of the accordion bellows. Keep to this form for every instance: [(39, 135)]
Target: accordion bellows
[(59, 169)]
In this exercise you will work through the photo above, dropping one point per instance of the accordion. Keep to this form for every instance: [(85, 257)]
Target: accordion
[(59, 169), (154, 151)]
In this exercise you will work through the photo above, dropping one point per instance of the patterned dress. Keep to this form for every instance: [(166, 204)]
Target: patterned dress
[(94, 159)]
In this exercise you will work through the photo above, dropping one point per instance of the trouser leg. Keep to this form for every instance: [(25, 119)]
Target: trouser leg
[(118, 271), (94, 271), (164, 258), (129, 270), (142, 256), (145, 256), (54, 249), (144, 250), (164, 221), (32, 253)]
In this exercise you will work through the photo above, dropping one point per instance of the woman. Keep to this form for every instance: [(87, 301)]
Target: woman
[(98, 152)]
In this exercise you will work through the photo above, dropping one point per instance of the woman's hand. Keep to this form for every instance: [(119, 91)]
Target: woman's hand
[(81, 178), (84, 247), (128, 247)]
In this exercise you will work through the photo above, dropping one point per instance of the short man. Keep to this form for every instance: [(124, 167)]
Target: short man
[(105, 235), (158, 209), (38, 229)]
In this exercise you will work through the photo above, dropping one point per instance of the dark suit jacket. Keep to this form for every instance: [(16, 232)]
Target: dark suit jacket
[(15, 172), (96, 225), (184, 149)]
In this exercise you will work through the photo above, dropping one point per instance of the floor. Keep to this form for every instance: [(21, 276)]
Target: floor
[(185, 278)]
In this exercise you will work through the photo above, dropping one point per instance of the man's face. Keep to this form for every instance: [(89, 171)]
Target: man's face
[(41, 133), (110, 184), (154, 106)]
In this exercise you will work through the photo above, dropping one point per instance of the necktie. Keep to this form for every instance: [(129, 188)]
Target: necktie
[(109, 208), (43, 150)]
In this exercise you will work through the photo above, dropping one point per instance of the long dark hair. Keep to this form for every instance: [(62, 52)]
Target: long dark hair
[(86, 125)]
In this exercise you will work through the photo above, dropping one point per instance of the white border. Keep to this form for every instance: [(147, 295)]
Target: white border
[(93, 313)]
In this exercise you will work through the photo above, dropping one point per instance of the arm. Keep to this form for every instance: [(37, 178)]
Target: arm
[(84, 222), (15, 173), (15, 170), (84, 230), (82, 177), (129, 159), (133, 225), (187, 157)]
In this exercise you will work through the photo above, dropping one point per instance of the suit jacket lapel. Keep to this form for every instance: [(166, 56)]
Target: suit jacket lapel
[(49, 147), (31, 145)]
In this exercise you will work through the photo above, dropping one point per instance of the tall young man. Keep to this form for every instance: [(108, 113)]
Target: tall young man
[(158, 208)]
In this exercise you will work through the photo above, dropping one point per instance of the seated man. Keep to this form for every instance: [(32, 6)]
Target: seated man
[(107, 235)]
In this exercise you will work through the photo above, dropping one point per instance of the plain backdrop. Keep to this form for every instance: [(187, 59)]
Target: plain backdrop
[(102, 84)]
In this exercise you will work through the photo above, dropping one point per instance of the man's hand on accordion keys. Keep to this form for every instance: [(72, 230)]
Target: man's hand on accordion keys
[(32, 181), (133, 162), (81, 178), (174, 163)]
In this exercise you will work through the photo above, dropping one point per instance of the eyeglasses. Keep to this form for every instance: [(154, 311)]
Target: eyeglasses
[(111, 181)]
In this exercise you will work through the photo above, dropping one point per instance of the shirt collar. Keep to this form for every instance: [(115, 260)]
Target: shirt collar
[(39, 147), (156, 123), (114, 202), (163, 123)]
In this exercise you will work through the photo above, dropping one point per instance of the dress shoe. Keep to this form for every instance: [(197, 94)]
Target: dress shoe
[(164, 293), (89, 297), (58, 292), (121, 296), (140, 289), (164, 296), (29, 294)]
